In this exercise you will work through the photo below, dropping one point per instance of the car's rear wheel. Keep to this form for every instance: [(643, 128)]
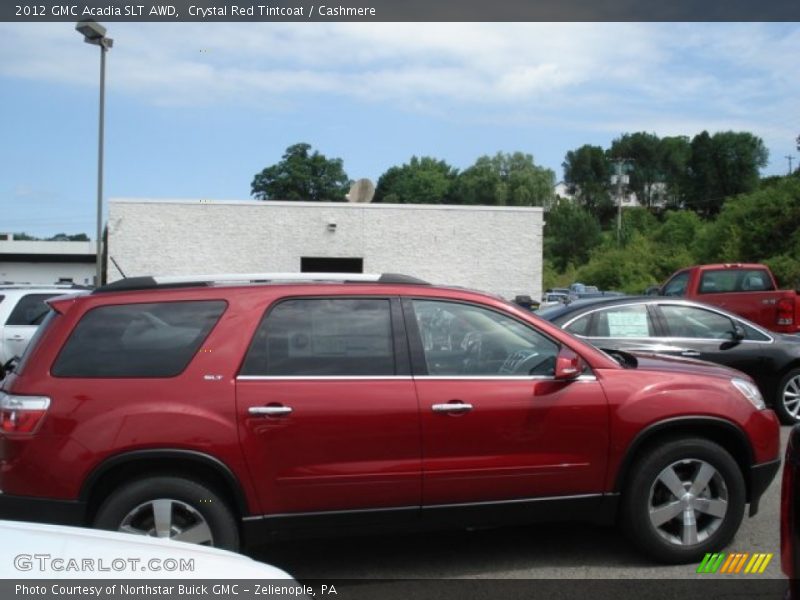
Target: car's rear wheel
[(684, 498), (787, 402), (168, 507)]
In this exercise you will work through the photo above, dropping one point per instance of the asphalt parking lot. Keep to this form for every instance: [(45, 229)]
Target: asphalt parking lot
[(565, 552)]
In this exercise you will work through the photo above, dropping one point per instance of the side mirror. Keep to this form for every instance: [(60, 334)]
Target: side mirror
[(568, 365), (737, 335)]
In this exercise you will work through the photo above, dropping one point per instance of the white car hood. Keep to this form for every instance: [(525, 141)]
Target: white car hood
[(34, 550)]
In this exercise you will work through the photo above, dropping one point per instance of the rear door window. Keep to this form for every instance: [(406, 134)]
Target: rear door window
[(623, 322), (580, 326), (631, 321), (137, 340), (324, 337)]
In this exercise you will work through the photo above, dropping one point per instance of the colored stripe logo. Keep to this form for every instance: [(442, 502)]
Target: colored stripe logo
[(735, 563)]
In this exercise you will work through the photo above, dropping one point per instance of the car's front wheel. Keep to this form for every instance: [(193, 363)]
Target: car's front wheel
[(685, 497), (170, 507), (787, 403)]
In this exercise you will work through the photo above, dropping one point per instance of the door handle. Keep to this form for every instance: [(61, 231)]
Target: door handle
[(17, 338), (269, 411), (452, 407), (690, 353)]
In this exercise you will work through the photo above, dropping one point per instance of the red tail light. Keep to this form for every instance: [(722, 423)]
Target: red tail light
[(785, 314), (21, 414)]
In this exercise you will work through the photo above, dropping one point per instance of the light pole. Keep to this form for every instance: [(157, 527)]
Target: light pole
[(94, 33), (619, 163)]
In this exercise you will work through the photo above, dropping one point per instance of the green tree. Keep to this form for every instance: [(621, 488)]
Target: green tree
[(505, 180), (302, 175), (23, 237), (637, 220), (587, 173), (754, 227), (786, 270), (570, 234), (421, 181), (63, 237), (630, 268), (674, 155), (644, 151), (721, 166), (679, 229)]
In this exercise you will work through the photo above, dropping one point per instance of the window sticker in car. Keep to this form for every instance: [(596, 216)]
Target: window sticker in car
[(627, 324)]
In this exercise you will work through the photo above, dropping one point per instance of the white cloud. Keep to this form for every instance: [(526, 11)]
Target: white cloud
[(618, 77), (470, 62)]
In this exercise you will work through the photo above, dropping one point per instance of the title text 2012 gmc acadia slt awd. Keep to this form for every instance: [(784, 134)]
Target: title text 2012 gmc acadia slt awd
[(226, 410)]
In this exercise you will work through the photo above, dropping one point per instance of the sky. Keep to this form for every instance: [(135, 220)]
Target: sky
[(195, 110)]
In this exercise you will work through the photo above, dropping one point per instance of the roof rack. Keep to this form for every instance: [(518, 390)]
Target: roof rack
[(26, 285), (177, 281)]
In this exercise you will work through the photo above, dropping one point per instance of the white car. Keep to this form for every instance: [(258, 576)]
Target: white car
[(37, 551), (553, 299), (22, 308)]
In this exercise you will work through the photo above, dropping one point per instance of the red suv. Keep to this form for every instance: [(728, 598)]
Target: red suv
[(233, 409)]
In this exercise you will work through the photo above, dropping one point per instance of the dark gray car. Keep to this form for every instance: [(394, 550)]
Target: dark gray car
[(693, 330)]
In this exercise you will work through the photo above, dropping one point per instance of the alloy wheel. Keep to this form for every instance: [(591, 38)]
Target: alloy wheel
[(791, 396), (688, 502), (168, 518)]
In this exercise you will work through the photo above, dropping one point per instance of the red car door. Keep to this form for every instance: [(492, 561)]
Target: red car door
[(496, 425), (328, 413)]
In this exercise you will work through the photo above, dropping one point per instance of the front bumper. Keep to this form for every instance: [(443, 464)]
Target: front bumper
[(42, 510), (760, 478)]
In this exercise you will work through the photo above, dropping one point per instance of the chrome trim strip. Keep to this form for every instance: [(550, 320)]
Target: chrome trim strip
[(262, 277), (512, 502), (581, 378), (428, 507), (407, 378), (321, 377), (667, 341), (321, 513)]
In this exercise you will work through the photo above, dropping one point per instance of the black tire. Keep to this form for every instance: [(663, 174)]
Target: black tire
[(195, 513), (671, 541), (786, 407)]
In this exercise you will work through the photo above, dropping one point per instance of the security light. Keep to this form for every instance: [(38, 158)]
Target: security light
[(94, 33)]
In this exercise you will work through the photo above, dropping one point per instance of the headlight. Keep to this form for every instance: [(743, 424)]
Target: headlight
[(749, 391)]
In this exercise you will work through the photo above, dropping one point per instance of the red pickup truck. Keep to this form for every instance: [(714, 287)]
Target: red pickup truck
[(748, 290)]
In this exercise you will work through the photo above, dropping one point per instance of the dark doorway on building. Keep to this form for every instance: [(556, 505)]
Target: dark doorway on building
[(324, 264)]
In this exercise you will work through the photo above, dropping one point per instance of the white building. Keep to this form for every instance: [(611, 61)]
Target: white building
[(629, 199), (497, 249), (47, 262)]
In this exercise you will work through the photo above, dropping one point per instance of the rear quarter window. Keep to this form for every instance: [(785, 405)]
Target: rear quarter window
[(137, 340), (30, 310)]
